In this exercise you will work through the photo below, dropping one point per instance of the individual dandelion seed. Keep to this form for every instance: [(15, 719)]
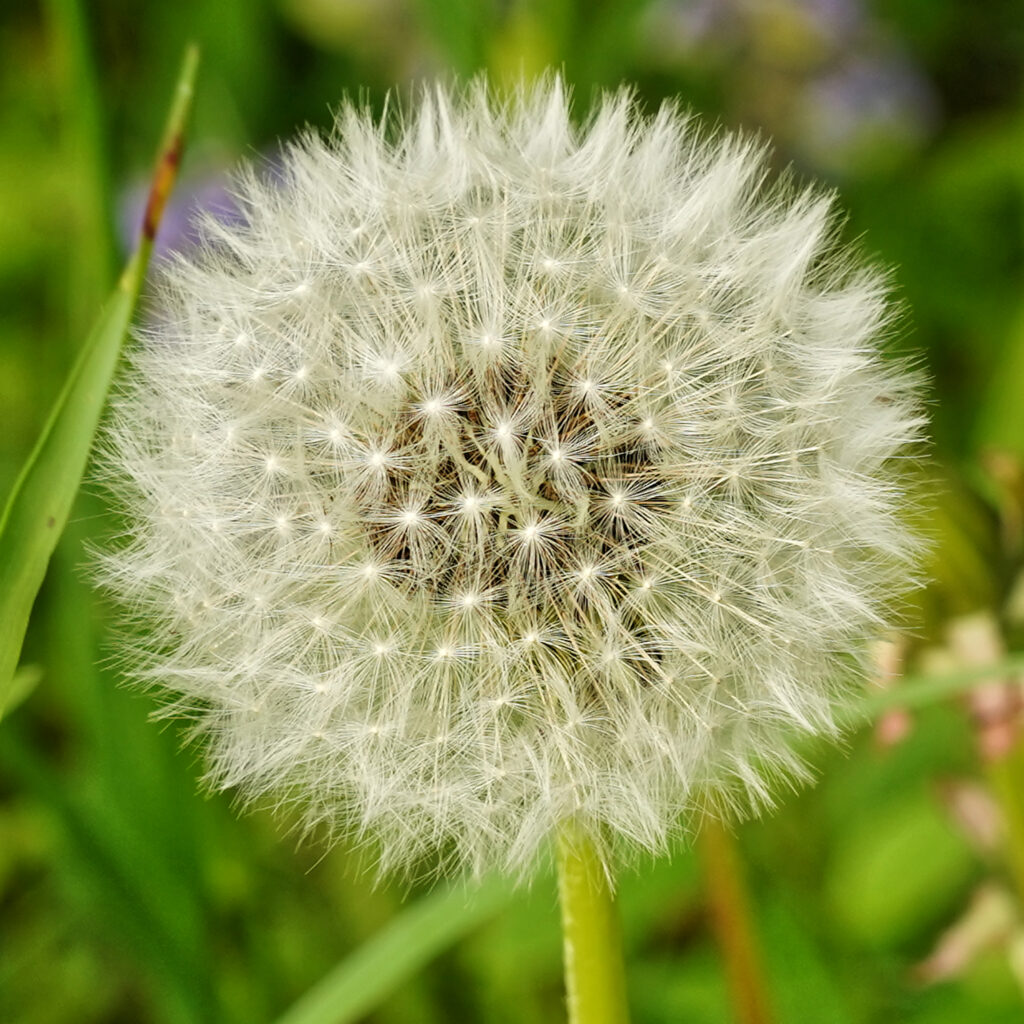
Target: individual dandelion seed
[(493, 474)]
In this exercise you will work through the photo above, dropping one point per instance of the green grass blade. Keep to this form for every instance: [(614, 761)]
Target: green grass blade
[(92, 264), (413, 939), (916, 692), (100, 863), (41, 500), (25, 680)]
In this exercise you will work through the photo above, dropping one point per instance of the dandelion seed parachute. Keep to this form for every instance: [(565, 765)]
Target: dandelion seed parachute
[(495, 472)]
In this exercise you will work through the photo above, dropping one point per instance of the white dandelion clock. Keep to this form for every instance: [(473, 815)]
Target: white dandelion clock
[(494, 473)]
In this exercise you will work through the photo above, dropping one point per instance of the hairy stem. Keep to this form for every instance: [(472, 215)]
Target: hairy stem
[(595, 980), (730, 919)]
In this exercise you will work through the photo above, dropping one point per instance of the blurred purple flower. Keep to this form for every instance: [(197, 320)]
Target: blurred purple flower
[(209, 192), (865, 102), (821, 76), (674, 30), (835, 20), (681, 26)]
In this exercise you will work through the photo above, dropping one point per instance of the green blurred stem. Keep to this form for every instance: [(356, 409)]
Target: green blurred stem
[(595, 980), (1006, 778), (731, 921)]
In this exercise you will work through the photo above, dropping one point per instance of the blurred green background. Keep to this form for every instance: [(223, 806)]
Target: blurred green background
[(889, 892)]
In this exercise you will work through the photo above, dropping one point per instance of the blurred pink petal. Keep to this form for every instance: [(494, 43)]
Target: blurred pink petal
[(975, 812), (989, 922)]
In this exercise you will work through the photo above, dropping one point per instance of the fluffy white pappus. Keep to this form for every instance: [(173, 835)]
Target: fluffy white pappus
[(495, 472)]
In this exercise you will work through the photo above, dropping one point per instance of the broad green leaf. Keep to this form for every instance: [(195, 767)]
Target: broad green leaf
[(138, 899), (45, 489), (896, 873), (413, 939)]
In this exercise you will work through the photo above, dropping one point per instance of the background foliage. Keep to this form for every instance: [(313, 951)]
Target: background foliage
[(892, 890)]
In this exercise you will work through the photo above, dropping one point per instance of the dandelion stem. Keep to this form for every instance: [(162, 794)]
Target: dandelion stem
[(730, 917), (595, 980)]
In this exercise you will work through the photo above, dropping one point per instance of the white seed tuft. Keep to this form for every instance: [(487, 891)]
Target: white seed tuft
[(552, 474)]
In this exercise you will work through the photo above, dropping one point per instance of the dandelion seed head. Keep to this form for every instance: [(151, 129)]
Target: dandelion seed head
[(553, 474)]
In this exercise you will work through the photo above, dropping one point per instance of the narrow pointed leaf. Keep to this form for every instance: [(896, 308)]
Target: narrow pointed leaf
[(420, 933), (41, 500), (25, 680)]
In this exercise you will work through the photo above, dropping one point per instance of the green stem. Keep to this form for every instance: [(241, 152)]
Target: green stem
[(595, 980)]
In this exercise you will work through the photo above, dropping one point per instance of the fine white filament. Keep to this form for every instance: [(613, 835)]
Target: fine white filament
[(494, 472)]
